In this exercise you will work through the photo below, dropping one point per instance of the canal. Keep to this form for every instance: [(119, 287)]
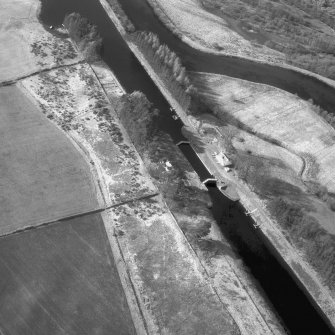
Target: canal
[(304, 86), (293, 307)]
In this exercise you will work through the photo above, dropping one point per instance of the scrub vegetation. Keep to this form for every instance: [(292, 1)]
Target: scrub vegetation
[(167, 64), (84, 34), (122, 16), (302, 30), (136, 114), (306, 233), (74, 100), (26, 46)]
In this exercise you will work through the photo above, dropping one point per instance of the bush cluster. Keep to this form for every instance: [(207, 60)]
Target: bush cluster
[(137, 115), (122, 16), (84, 34)]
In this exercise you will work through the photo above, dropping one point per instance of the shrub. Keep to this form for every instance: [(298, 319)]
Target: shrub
[(84, 34), (305, 231)]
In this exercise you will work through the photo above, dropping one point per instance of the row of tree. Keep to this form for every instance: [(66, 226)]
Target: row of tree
[(122, 16), (167, 64), (328, 116), (84, 34)]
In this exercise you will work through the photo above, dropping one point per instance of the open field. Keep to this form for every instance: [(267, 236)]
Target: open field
[(62, 279), (73, 98), (275, 115), (43, 176), (26, 46)]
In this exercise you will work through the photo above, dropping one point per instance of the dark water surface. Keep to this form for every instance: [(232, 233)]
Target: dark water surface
[(291, 304), (306, 87)]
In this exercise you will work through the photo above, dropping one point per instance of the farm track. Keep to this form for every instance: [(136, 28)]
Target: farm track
[(95, 211), (14, 81)]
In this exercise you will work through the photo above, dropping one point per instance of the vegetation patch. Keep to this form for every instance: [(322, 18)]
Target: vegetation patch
[(307, 234), (302, 30), (84, 34), (122, 16)]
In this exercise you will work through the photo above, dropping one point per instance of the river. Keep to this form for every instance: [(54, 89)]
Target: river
[(290, 303)]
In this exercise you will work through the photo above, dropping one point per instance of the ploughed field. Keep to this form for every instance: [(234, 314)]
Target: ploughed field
[(62, 279), (43, 176)]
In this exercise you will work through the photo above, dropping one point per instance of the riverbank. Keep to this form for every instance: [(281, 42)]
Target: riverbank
[(211, 33), (171, 17), (289, 256)]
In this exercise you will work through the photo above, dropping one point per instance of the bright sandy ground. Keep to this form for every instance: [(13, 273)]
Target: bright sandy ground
[(43, 176), (19, 29), (210, 31), (278, 115)]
